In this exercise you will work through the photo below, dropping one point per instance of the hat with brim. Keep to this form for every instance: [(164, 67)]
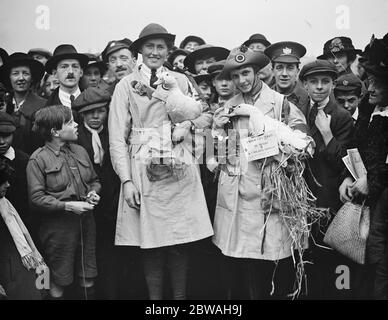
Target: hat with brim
[(63, 52), (94, 61), (18, 59), (338, 45), (3, 55), (318, 67), (188, 39), (7, 123), (205, 51), (92, 98), (176, 53), (376, 70), (241, 57), (375, 58), (257, 38), (203, 77), (40, 51), (285, 52), (216, 68), (152, 31)]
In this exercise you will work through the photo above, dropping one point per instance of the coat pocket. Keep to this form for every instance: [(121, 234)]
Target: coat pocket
[(56, 179), (85, 170)]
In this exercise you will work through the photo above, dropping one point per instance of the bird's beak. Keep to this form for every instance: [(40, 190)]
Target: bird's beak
[(158, 82)]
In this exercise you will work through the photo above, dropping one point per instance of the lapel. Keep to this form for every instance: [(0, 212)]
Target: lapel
[(30, 105), (266, 100), (328, 109)]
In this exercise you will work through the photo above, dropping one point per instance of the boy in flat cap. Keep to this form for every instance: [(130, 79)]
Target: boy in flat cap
[(341, 52), (332, 130), (239, 213), (63, 190), (348, 93), (162, 205), (19, 75), (285, 57)]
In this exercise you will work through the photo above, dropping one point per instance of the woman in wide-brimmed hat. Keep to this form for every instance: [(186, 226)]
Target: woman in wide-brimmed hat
[(371, 139), (162, 207)]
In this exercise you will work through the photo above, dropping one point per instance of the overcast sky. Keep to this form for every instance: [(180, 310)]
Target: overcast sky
[(90, 24)]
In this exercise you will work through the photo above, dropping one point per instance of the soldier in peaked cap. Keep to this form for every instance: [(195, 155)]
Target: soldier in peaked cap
[(285, 57), (148, 218), (341, 52), (238, 202)]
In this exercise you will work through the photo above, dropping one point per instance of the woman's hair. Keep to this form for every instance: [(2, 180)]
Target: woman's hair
[(6, 171), (52, 117)]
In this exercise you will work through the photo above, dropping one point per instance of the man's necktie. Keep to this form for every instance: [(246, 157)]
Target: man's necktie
[(153, 78), (72, 98), (313, 114)]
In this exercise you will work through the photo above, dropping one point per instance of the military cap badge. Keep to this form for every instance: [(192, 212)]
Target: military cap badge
[(287, 50), (345, 83)]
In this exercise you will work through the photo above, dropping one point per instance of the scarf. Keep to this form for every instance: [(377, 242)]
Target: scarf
[(96, 144), (30, 256)]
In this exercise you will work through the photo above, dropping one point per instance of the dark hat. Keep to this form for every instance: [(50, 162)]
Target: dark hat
[(205, 50), (348, 82), (175, 53), (336, 45), (116, 45), (257, 37), (3, 55), (18, 59), (286, 52), (95, 61), (7, 123), (152, 31), (216, 68), (375, 57), (62, 52), (243, 56), (188, 39), (202, 77), (318, 66), (41, 51), (91, 98)]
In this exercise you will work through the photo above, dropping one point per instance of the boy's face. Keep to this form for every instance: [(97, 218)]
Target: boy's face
[(5, 142), (91, 77), (69, 131), (205, 89), (319, 86), (95, 118), (225, 88), (348, 101)]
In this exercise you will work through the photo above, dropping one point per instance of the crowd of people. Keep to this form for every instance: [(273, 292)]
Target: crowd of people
[(124, 179)]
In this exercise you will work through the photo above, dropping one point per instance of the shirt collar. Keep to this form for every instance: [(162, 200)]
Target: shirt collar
[(10, 154), (65, 97), (321, 104), (55, 148), (355, 115), (147, 71)]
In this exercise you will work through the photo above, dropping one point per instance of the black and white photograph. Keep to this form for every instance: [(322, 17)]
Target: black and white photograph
[(207, 151)]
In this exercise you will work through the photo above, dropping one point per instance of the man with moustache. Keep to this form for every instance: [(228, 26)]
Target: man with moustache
[(67, 66), (120, 60), (19, 74), (285, 57)]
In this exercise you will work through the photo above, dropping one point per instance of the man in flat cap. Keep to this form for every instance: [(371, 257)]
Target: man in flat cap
[(332, 130), (162, 204), (285, 57), (348, 93), (19, 75), (341, 52), (67, 66), (239, 213), (119, 58)]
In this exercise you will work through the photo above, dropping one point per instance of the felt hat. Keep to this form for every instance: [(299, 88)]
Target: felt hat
[(337, 45), (188, 39), (375, 57), (41, 51), (153, 30), (257, 37), (18, 59), (62, 52), (203, 51)]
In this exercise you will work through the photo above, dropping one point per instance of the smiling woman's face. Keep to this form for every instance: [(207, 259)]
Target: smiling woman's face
[(378, 91)]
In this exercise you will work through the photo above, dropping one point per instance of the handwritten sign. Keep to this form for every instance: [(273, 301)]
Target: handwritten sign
[(259, 147)]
